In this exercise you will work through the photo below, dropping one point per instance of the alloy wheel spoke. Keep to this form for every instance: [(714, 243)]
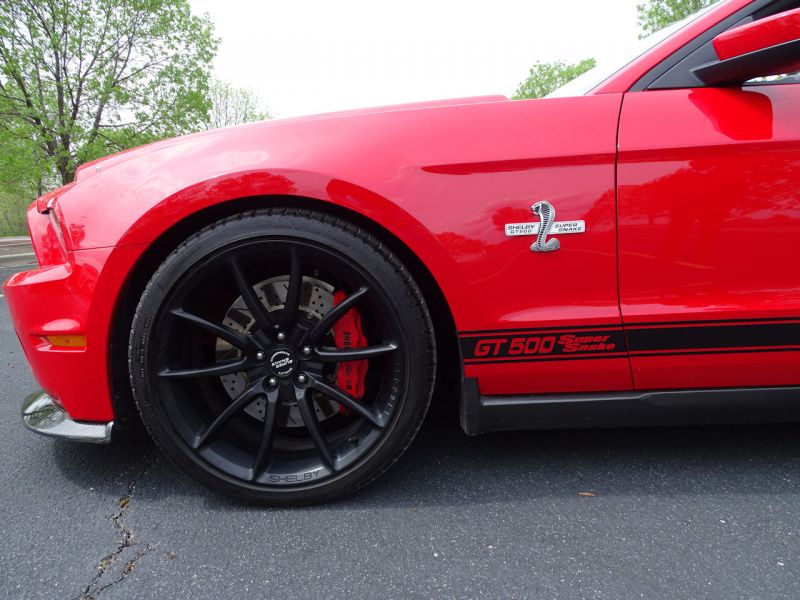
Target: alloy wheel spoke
[(240, 402), (336, 313), (268, 433), (257, 310), (225, 368), (347, 400), (306, 407), (292, 302), (328, 354), (221, 331)]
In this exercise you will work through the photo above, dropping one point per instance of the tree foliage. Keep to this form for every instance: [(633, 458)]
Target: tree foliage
[(654, 15), (82, 78), (548, 77), (233, 106)]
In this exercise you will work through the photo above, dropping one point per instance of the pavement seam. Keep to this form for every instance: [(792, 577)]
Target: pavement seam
[(125, 540)]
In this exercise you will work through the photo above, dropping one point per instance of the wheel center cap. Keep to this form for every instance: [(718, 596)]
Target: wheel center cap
[(282, 362)]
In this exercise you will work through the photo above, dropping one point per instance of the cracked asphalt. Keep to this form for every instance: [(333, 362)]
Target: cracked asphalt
[(706, 512)]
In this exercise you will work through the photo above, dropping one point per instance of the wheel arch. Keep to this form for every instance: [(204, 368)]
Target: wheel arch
[(449, 372)]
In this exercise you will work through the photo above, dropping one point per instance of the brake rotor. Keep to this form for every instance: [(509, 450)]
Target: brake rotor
[(316, 299)]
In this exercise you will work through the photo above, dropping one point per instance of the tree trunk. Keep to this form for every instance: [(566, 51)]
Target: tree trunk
[(65, 170)]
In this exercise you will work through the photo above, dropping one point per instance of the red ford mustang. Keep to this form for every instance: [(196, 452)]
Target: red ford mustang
[(277, 300)]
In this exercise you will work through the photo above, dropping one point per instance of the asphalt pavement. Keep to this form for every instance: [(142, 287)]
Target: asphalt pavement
[(707, 512)]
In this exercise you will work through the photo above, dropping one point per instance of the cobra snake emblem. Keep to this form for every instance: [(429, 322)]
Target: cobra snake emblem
[(547, 214)]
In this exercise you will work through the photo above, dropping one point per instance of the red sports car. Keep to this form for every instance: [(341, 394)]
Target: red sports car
[(277, 300)]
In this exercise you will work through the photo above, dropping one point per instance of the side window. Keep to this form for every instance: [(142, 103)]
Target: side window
[(676, 71)]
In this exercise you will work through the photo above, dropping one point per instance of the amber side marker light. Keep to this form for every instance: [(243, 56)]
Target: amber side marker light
[(66, 341)]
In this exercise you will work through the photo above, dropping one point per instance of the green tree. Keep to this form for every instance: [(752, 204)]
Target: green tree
[(22, 175), (548, 77), (233, 106), (82, 78), (654, 15)]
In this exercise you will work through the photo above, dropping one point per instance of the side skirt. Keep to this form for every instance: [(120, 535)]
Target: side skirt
[(482, 414)]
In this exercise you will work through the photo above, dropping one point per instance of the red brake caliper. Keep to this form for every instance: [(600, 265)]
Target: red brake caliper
[(348, 334)]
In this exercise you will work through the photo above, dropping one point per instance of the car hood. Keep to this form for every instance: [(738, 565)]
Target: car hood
[(102, 164)]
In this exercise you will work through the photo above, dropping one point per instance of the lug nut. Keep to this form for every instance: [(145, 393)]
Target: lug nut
[(281, 337), (260, 355), (272, 382), (302, 379), (307, 350)]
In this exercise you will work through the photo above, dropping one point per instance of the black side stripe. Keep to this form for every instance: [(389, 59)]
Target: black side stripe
[(710, 322), (717, 336), (715, 352), (638, 340)]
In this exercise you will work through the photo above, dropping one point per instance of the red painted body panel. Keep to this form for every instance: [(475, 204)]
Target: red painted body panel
[(703, 191), (602, 374), (77, 297), (717, 371), (771, 31), (709, 222)]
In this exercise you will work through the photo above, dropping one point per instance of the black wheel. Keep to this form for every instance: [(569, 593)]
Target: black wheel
[(282, 357)]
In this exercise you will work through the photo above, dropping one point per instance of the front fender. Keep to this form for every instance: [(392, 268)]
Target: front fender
[(282, 186)]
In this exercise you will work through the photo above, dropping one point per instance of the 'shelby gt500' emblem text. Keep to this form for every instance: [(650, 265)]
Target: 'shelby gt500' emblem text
[(517, 229), (546, 226)]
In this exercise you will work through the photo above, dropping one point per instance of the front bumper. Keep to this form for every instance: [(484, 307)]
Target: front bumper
[(63, 312), (58, 300), (74, 301), (42, 415)]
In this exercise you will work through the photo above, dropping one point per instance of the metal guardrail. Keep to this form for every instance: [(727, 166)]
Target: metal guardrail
[(16, 252), (18, 260), (15, 241)]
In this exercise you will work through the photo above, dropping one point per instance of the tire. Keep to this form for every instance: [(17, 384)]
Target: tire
[(237, 373)]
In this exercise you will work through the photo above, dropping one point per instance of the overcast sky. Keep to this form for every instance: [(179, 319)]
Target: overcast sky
[(312, 56)]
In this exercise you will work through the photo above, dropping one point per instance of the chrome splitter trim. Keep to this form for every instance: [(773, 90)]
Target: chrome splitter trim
[(42, 415)]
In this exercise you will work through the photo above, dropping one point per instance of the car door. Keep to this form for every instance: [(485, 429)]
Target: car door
[(709, 235)]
